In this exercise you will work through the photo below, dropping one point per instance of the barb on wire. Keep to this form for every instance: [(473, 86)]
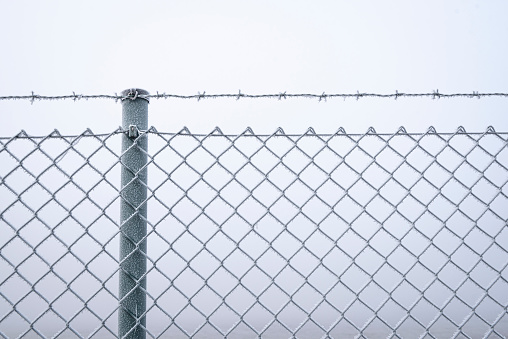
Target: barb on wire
[(281, 95)]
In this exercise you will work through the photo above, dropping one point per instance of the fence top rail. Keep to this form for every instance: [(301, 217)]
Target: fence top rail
[(249, 132), (435, 94)]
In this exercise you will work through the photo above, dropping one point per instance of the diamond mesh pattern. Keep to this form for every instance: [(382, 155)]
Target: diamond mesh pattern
[(369, 235)]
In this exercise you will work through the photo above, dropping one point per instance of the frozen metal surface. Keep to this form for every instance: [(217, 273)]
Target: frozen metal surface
[(133, 213), (243, 236), (435, 94)]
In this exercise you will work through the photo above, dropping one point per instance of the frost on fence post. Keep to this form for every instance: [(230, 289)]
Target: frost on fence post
[(133, 211)]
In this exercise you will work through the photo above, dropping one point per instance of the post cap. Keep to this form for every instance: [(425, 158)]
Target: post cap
[(135, 93)]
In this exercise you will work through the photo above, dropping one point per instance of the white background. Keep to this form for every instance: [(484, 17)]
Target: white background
[(258, 47)]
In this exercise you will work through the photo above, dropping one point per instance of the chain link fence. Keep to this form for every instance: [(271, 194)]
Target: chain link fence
[(275, 236)]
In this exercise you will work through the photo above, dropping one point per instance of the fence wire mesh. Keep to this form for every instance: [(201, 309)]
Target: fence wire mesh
[(343, 235)]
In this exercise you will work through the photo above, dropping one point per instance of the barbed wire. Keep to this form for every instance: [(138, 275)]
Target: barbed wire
[(133, 94)]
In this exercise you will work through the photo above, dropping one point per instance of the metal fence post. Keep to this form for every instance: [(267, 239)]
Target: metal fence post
[(133, 209)]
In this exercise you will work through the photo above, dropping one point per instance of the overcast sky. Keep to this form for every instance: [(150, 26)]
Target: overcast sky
[(258, 47)]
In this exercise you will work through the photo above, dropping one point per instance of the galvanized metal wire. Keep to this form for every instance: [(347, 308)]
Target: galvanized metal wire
[(261, 235), (435, 94)]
